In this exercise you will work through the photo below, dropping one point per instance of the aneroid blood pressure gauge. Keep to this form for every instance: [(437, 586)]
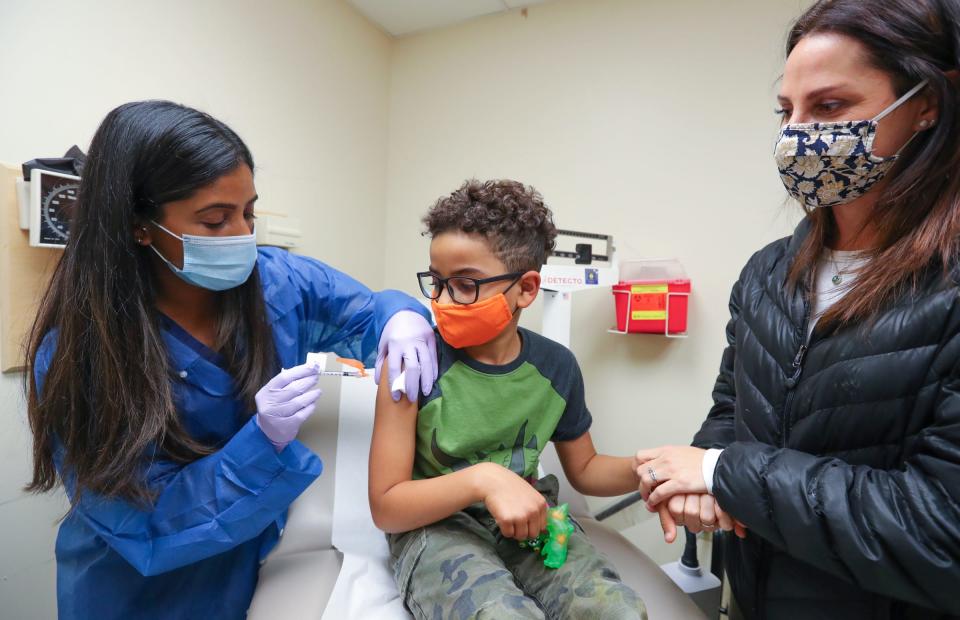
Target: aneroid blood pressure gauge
[(53, 197)]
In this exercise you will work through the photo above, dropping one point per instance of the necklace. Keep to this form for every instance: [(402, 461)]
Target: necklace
[(837, 278), (851, 263), (838, 273)]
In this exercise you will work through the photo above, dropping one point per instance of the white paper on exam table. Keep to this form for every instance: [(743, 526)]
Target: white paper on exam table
[(366, 586)]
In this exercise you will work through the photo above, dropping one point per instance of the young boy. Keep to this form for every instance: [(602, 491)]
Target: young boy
[(453, 479)]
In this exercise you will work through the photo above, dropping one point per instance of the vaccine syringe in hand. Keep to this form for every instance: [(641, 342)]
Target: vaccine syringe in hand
[(319, 361)]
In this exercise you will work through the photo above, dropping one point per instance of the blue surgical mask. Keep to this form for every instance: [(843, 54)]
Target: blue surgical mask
[(214, 263)]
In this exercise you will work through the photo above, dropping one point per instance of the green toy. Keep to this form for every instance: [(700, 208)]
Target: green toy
[(553, 543)]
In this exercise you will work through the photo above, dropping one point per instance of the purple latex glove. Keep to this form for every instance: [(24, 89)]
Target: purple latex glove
[(285, 403), (408, 343)]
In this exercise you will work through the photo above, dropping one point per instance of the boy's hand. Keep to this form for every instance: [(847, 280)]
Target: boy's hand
[(520, 511)]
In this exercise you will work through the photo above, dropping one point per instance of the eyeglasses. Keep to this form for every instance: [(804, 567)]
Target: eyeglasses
[(463, 290)]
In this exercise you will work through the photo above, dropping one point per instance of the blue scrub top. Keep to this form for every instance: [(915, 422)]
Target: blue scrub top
[(197, 552)]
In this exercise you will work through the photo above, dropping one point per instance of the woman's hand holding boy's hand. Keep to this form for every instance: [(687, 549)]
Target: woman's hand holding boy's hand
[(519, 509), (677, 491), (668, 471)]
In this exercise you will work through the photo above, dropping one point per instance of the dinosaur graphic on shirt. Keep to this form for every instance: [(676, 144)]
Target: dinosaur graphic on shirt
[(517, 458)]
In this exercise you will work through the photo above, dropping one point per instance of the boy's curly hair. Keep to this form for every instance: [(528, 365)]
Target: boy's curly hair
[(511, 215)]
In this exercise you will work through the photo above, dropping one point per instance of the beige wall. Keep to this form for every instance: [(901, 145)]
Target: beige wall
[(304, 82), (649, 120)]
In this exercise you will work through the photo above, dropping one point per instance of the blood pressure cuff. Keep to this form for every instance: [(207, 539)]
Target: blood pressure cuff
[(71, 163)]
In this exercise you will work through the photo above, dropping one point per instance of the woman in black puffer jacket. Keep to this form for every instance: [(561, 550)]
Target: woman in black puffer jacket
[(833, 446)]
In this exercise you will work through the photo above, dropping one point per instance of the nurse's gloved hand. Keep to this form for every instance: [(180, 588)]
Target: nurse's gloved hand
[(408, 343), (286, 402)]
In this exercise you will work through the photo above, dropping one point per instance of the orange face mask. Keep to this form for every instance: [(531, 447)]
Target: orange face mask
[(473, 324)]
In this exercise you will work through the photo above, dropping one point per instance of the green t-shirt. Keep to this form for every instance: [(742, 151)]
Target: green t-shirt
[(502, 414)]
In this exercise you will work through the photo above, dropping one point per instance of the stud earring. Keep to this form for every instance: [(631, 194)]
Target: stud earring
[(924, 124)]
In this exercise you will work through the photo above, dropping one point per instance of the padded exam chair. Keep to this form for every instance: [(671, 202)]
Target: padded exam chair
[(333, 563)]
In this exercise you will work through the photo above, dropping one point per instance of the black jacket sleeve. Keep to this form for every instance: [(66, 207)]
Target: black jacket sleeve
[(717, 429), (895, 532)]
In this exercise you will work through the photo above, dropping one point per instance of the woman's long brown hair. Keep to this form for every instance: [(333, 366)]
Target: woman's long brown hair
[(107, 407), (917, 217)]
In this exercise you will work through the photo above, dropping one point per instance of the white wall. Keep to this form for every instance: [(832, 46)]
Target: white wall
[(304, 82), (651, 121)]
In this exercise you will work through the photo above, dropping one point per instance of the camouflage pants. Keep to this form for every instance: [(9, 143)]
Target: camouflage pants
[(462, 568)]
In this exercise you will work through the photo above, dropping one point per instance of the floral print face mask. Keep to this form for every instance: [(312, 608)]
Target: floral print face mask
[(829, 164)]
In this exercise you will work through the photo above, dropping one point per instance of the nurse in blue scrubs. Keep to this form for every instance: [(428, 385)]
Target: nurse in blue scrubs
[(169, 382)]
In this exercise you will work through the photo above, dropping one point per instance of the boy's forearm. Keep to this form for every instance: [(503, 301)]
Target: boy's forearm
[(416, 503), (605, 476)]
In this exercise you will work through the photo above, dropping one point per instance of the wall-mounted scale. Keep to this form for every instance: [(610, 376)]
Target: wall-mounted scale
[(560, 281)]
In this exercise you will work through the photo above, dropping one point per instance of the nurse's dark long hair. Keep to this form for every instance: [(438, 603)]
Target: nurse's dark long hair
[(918, 214), (107, 398)]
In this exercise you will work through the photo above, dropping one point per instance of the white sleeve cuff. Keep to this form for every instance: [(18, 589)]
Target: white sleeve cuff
[(710, 458)]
